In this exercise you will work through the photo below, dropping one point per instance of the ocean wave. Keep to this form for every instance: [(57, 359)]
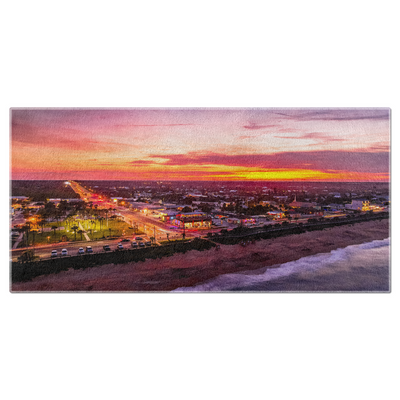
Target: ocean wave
[(355, 267)]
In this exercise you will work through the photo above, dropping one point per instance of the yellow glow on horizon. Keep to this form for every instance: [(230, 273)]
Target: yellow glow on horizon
[(206, 172)]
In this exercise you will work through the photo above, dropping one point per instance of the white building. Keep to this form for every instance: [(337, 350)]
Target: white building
[(360, 205)]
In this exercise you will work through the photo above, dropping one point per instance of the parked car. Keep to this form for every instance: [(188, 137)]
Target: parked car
[(138, 238), (106, 248), (81, 251), (64, 252), (119, 246), (147, 243), (134, 245), (54, 253), (89, 249), (125, 240), (141, 244)]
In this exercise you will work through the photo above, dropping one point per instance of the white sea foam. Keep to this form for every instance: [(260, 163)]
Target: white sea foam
[(354, 259)]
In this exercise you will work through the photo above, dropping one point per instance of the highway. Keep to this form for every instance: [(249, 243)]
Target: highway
[(44, 251)]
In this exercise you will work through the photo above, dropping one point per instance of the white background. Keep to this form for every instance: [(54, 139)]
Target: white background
[(192, 54)]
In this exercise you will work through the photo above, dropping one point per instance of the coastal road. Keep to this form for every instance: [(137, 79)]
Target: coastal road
[(44, 251)]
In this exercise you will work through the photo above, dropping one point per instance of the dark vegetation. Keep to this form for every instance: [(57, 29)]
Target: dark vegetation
[(26, 271), (42, 190)]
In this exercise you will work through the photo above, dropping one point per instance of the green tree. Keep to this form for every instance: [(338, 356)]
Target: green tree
[(54, 228), (75, 228), (63, 206), (50, 209)]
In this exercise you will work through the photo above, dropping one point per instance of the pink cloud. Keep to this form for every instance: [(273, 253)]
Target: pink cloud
[(254, 126), (315, 160)]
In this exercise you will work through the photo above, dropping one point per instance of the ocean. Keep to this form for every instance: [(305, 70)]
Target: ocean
[(356, 268)]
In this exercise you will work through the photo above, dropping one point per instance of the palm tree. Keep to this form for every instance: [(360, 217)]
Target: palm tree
[(75, 228), (41, 223), (68, 220), (26, 229), (33, 241), (57, 216), (54, 228), (106, 212), (81, 232)]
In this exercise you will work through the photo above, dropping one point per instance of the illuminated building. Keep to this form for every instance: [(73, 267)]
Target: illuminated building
[(360, 205), (168, 216), (276, 214), (193, 220)]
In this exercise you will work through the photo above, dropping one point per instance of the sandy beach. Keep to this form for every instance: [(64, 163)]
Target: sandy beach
[(196, 267)]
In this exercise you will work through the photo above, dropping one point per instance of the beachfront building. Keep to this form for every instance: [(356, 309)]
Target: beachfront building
[(193, 220), (276, 214), (247, 221), (360, 205)]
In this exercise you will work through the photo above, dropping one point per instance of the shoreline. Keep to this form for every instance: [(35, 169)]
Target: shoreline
[(194, 267)]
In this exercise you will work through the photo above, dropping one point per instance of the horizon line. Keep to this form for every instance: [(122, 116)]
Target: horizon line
[(194, 180)]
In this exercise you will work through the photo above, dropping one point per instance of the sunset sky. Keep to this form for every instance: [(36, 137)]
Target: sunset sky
[(201, 144)]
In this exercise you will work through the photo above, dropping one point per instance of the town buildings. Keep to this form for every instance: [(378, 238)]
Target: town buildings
[(193, 220)]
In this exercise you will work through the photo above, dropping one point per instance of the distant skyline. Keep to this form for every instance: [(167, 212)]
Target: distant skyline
[(201, 144)]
